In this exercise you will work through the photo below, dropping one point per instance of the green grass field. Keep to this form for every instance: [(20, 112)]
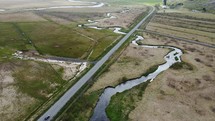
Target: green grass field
[(101, 46), (10, 38), (37, 79), (56, 40), (10, 41), (53, 39), (80, 109), (102, 40), (123, 103)]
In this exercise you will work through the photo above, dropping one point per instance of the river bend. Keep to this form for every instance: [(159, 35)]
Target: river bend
[(171, 58)]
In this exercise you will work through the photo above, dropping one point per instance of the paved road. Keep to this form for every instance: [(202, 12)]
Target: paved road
[(182, 39), (54, 109)]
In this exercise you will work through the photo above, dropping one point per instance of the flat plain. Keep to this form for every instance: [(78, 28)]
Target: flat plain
[(29, 86)]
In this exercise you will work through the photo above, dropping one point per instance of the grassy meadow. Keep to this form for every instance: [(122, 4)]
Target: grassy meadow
[(102, 40), (37, 79), (55, 40), (123, 103), (10, 41)]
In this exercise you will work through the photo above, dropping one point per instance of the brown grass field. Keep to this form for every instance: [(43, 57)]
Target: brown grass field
[(21, 88), (131, 64), (184, 25), (180, 94)]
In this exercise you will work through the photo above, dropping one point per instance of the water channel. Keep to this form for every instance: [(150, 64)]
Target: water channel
[(171, 58)]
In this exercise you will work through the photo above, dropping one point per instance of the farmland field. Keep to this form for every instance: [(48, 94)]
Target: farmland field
[(185, 26)]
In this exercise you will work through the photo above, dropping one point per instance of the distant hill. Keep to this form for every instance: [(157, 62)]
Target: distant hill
[(199, 5)]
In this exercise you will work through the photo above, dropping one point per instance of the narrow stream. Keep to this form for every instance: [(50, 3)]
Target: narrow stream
[(92, 24), (104, 100), (117, 30)]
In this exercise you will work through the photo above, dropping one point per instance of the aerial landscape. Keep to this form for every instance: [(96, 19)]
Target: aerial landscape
[(107, 60)]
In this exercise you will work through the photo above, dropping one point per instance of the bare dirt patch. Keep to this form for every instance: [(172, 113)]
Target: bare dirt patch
[(123, 18), (25, 85), (70, 70), (13, 104)]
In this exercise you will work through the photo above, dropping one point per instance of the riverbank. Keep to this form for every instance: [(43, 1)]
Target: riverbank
[(184, 93), (100, 110)]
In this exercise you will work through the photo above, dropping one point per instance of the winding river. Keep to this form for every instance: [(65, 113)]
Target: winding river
[(91, 24), (104, 100), (91, 5)]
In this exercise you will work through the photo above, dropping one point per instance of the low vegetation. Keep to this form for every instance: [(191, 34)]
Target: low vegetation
[(150, 70), (26, 85), (103, 40), (72, 17), (45, 37), (37, 79), (10, 41), (123, 103), (182, 65), (186, 25), (200, 5), (82, 109), (173, 90), (55, 40)]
